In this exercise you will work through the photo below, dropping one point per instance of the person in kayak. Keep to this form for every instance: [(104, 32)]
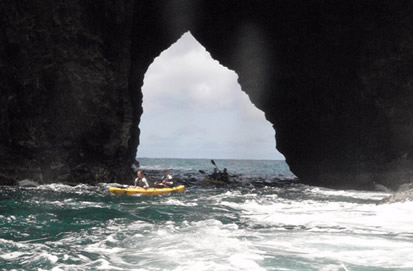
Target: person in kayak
[(220, 176), (141, 180), (215, 174), (224, 176), (167, 180)]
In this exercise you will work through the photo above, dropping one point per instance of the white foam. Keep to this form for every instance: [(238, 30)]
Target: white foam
[(232, 230), (103, 264), (11, 255), (176, 202), (52, 258), (242, 261), (373, 195)]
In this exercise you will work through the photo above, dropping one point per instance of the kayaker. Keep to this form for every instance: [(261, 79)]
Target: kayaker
[(224, 176), (141, 180), (220, 176), (214, 175), (167, 180)]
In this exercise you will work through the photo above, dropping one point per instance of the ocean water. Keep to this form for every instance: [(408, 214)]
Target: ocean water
[(265, 220)]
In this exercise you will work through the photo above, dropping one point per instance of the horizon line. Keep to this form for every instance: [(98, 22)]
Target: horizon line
[(196, 158)]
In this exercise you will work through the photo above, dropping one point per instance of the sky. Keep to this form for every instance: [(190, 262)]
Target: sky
[(193, 107)]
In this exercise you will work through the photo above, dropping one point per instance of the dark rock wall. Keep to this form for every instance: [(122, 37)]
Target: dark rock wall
[(64, 103), (334, 78)]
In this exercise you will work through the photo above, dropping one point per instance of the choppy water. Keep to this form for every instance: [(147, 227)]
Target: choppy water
[(258, 226)]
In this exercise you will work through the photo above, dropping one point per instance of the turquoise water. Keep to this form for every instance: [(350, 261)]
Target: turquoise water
[(267, 224)]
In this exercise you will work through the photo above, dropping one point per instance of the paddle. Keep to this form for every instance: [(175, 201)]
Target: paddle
[(213, 162), (201, 171)]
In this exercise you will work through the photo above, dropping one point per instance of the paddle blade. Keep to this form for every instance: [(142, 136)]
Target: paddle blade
[(201, 171), (213, 162)]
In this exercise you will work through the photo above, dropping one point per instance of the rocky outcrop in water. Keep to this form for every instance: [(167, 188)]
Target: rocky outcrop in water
[(335, 79), (404, 193)]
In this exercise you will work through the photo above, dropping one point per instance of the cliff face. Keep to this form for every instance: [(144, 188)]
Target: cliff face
[(65, 111), (335, 79)]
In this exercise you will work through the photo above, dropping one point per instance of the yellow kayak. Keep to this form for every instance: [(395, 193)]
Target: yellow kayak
[(145, 191)]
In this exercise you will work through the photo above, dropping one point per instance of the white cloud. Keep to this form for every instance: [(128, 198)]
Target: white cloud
[(190, 79), (194, 107)]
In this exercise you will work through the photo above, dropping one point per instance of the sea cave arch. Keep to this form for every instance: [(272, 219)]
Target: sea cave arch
[(193, 107), (312, 69), (333, 78)]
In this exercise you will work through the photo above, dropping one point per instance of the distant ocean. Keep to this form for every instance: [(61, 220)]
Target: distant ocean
[(265, 220), (246, 168)]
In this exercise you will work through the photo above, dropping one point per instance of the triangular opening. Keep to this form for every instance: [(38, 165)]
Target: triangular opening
[(195, 108)]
